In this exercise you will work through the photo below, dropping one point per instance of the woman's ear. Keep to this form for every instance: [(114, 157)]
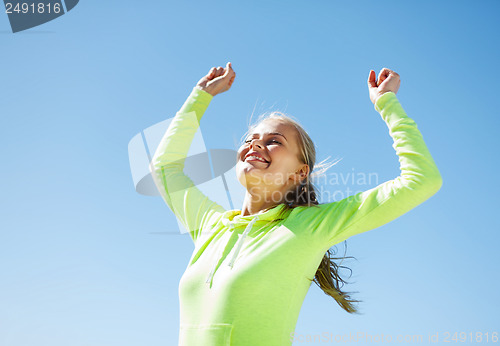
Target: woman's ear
[(302, 172)]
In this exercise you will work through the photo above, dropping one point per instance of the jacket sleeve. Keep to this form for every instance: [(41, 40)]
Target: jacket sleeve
[(332, 223), (192, 208)]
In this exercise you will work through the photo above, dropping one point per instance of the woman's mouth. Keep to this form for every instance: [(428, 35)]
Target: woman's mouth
[(256, 158)]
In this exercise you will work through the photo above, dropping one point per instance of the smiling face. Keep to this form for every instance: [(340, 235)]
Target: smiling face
[(277, 143)]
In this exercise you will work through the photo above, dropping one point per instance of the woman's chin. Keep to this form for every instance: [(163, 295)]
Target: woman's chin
[(252, 170), (248, 172)]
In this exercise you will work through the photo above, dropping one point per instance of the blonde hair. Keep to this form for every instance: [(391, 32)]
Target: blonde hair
[(304, 194)]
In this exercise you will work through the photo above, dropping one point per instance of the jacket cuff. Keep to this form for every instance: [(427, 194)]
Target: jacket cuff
[(389, 108), (197, 101), (383, 99)]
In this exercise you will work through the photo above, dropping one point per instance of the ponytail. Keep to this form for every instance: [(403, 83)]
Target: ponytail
[(327, 277)]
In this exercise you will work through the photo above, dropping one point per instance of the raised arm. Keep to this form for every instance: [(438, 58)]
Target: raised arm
[(331, 223), (193, 208)]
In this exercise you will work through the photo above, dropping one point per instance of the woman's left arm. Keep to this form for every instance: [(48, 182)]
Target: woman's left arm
[(332, 223)]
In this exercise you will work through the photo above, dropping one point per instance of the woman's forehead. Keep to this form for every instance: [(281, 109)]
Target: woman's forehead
[(273, 126)]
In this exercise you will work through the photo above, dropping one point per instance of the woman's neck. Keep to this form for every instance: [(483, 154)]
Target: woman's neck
[(254, 204)]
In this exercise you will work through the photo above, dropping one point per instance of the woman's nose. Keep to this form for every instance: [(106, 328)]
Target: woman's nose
[(256, 143)]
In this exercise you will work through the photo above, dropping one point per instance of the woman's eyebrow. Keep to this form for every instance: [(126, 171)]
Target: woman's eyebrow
[(272, 133)]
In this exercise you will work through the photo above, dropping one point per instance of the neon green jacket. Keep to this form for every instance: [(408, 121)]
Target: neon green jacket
[(248, 276)]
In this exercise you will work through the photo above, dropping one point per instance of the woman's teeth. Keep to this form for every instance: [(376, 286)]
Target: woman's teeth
[(256, 158)]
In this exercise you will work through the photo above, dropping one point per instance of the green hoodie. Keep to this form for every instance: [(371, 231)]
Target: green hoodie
[(248, 275)]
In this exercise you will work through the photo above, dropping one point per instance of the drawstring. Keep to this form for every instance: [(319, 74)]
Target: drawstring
[(209, 277), (240, 244), (249, 227)]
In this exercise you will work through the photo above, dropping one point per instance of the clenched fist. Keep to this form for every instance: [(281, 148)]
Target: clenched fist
[(388, 80), (217, 80)]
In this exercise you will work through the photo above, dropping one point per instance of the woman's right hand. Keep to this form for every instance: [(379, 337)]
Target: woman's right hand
[(217, 80)]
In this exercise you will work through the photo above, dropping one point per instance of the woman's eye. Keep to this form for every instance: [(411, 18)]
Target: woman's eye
[(272, 140)]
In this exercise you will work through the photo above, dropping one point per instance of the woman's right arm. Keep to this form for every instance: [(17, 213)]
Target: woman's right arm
[(187, 202)]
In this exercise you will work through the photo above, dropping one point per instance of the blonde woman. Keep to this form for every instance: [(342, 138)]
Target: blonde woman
[(252, 267)]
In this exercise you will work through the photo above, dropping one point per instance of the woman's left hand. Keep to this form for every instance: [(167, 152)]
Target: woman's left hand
[(388, 80)]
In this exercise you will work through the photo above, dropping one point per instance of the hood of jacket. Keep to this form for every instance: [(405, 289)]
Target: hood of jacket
[(233, 218)]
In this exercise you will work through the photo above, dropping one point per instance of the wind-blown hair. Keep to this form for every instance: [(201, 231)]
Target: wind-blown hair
[(304, 194)]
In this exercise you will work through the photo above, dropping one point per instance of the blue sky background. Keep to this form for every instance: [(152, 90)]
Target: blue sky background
[(86, 260)]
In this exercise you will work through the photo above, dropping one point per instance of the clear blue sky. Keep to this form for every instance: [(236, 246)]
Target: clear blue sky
[(80, 262)]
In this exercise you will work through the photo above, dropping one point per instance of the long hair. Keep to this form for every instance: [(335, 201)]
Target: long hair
[(304, 194)]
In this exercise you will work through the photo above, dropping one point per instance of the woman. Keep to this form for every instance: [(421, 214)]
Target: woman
[(251, 268)]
